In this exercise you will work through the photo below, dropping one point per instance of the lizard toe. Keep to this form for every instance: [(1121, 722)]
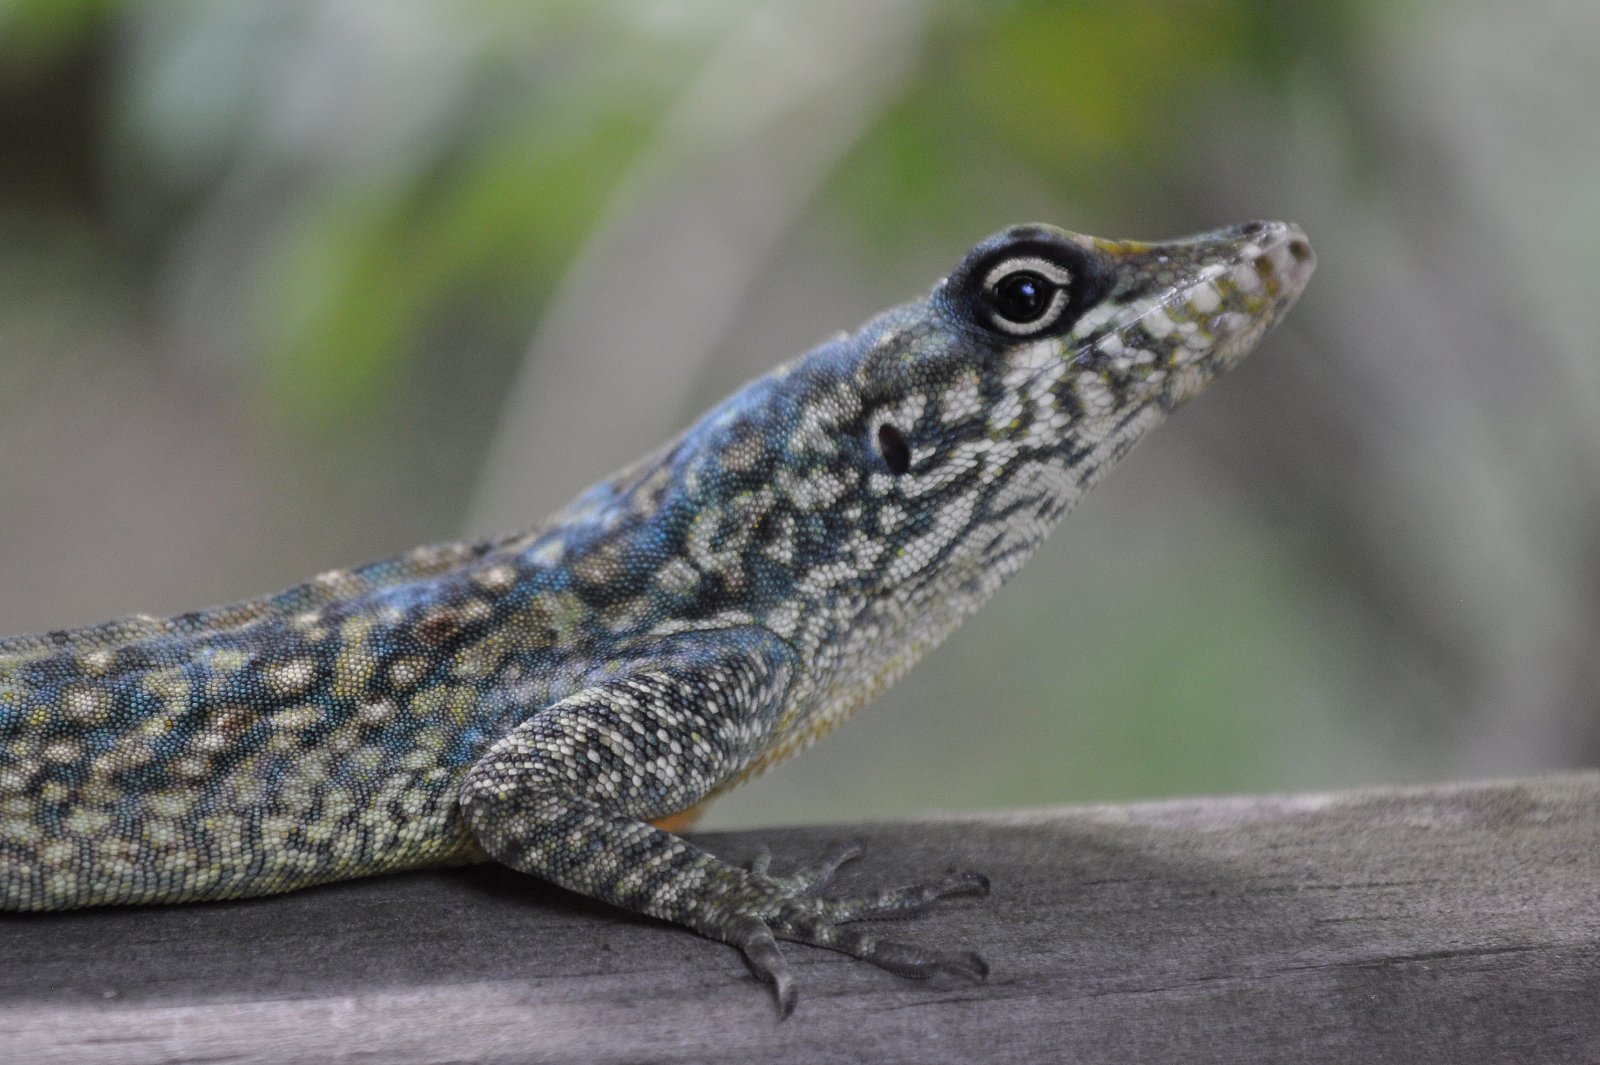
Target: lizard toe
[(910, 900), (804, 925)]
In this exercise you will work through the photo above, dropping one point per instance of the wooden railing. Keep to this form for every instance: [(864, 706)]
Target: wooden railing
[(1452, 924)]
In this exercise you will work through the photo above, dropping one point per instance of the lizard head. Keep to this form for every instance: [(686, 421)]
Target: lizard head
[(930, 452), (991, 405)]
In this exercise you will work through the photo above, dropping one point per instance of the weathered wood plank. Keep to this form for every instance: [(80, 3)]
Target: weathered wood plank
[(1450, 924)]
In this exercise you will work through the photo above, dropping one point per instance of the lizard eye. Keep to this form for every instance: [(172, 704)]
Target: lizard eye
[(894, 449), (1022, 297), (1026, 295)]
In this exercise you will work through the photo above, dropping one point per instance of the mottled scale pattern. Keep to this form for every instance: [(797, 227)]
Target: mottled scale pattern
[(542, 698)]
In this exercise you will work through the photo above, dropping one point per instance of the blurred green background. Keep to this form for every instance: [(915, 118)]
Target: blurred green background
[(290, 284)]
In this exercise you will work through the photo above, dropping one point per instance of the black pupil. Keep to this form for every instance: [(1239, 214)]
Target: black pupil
[(894, 449), (1022, 296)]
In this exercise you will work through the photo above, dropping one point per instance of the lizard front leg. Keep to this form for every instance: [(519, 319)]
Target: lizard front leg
[(568, 793)]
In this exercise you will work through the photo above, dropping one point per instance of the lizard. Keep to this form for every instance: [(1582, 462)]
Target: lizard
[(545, 699)]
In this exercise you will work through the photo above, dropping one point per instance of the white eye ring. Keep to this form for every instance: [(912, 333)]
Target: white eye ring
[(1053, 273), (1050, 271)]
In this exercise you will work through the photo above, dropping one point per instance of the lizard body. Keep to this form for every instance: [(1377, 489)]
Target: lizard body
[(540, 699)]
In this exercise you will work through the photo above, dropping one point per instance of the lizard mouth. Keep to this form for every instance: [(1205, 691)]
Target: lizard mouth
[(1184, 311), (1256, 268)]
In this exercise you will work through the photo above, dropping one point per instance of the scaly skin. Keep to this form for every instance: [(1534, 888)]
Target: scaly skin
[(703, 614)]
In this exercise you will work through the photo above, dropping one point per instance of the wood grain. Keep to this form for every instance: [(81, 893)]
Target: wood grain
[(1456, 924)]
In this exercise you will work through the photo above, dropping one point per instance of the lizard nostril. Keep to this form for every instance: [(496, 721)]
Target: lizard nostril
[(1300, 250)]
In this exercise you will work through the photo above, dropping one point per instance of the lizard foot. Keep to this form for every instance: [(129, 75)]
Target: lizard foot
[(792, 908)]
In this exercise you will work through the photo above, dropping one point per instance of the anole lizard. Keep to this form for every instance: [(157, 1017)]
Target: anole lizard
[(540, 699)]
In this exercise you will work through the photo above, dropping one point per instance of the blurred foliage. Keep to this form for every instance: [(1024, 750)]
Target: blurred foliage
[(1078, 96), (37, 34), (356, 276), (462, 158)]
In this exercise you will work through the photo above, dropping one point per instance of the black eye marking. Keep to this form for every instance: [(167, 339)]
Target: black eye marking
[(1026, 283), (894, 449), (1026, 294)]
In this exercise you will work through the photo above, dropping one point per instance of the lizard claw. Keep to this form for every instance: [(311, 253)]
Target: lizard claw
[(755, 940)]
